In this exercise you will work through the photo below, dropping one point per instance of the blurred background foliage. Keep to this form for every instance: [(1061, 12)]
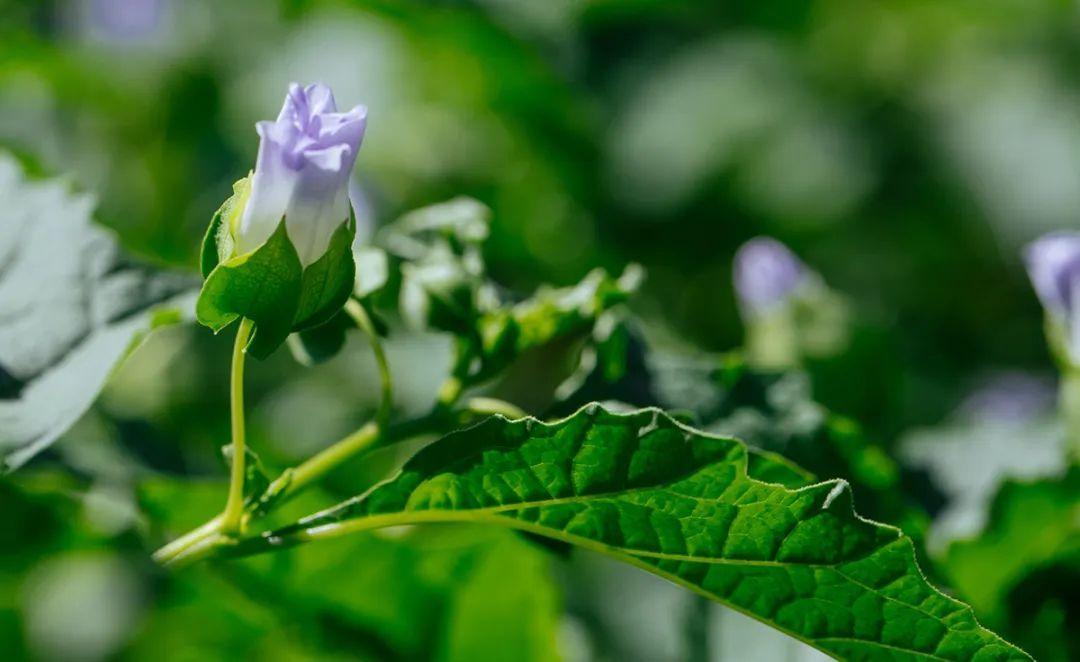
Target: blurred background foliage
[(904, 150)]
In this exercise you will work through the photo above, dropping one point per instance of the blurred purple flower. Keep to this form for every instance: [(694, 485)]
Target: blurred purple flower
[(125, 20), (1009, 397), (1053, 264), (302, 173), (766, 274)]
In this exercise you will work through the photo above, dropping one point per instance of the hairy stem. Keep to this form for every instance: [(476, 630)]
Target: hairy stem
[(234, 506)]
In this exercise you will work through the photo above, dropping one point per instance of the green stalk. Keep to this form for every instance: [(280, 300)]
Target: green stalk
[(234, 506), (181, 545), (204, 540), (332, 457)]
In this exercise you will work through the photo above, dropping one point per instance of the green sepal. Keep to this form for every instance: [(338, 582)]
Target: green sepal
[(263, 286), (208, 255), (316, 344), (217, 243), (327, 282)]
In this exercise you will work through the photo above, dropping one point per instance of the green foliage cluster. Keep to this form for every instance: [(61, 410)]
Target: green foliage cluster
[(904, 151)]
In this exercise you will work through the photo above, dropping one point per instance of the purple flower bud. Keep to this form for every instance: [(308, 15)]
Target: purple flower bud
[(1053, 264), (302, 173), (766, 274)]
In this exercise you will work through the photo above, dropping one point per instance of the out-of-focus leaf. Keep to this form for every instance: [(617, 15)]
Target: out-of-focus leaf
[(968, 461), (443, 278), (506, 333), (685, 505), (399, 603), (71, 306), (321, 343), (1030, 524), (462, 222), (372, 270), (507, 604)]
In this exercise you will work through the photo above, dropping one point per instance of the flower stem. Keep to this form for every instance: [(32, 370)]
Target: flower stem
[(234, 507), (356, 311)]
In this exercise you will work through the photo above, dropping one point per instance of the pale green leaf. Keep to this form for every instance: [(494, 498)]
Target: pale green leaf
[(71, 306)]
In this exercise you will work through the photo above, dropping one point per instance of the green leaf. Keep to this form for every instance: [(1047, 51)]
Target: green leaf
[(72, 305), (263, 286), (776, 411), (687, 506), (1021, 572)]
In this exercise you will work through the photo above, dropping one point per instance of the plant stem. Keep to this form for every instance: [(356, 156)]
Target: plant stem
[(332, 457), (234, 507), (356, 310), (188, 540), (205, 538)]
